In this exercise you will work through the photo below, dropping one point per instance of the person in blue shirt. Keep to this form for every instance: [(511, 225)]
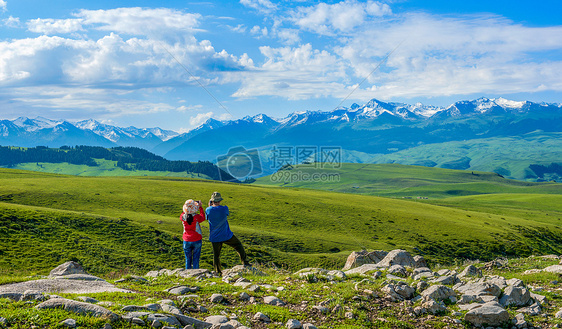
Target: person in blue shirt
[(219, 232)]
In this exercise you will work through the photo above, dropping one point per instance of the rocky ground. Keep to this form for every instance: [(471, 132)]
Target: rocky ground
[(375, 289)]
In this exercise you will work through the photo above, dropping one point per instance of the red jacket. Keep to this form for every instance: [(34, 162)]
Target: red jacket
[(190, 233)]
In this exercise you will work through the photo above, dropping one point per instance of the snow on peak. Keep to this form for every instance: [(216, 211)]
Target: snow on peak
[(510, 104)]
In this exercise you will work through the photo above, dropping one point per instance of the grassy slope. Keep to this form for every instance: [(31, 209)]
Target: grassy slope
[(510, 156), (104, 168), (292, 227), (393, 180)]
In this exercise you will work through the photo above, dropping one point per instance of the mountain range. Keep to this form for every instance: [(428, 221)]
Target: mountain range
[(375, 132)]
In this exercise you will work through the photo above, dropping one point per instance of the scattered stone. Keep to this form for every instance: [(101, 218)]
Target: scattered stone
[(293, 324), (421, 286), (87, 299), (70, 323), (272, 300), (419, 261), (432, 306), (398, 270), (519, 321), (447, 280), (517, 296), (241, 269), (308, 326), (67, 268), (243, 296), (79, 308), (363, 269), (438, 292), (216, 298), (195, 323), (398, 257), (182, 290), (321, 309), (358, 258), (471, 271), (534, 309), (554, 269), (261, 317), (349, 315), (491, 314), (399, 291), (216, 319)]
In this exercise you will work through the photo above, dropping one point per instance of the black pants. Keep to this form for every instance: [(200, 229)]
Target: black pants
[(234, 243)]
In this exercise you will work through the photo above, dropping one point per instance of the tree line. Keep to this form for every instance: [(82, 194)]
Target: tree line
[(127, 158)]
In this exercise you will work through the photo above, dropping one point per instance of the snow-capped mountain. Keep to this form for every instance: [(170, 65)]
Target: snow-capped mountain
[(374, 127)]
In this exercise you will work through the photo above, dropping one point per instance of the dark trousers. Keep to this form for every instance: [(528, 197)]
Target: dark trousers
[(234, 243)]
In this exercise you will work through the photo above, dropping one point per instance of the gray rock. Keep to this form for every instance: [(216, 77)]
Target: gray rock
[(272, 300), (478, 289), (163, 318), (15, 296), (358, 258), (70, 323), (558, 314), (321, 309), (399, 291), (539, 298), (490, 314), (216, 298), (216, 319), (471, 271), (432, 306), (241, 269), (438, 292), (87, 299), (419, 262), (195, 323), (32, 295), (363, 269), (515, 282), (398, 257), (79, 308), (182, 290), (421, 286), (519, 321), (398, 270), (293, 324), (308, 326), (68, 268), (243, 296), (534, 309), (517, 296), (170, 309), (261, 317), (554, 269), (447, 280)]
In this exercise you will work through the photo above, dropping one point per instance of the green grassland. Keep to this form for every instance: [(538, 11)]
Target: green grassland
[(104, 168), (394, 180), (509, 156), (132, 223)]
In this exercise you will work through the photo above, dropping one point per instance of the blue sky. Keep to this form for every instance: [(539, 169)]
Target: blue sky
[(174, 64)]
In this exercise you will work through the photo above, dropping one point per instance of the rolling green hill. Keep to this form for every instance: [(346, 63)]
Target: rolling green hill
[(394, 180), (114, 223)]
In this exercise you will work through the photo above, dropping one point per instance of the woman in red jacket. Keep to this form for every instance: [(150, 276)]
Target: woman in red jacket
[(191, 216)]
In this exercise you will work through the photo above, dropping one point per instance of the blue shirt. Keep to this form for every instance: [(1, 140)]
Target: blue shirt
[(219, 230)]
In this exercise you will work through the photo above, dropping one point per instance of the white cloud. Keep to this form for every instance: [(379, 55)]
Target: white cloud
[(3, 5), (12, 22), (453, 56), (54, 26), (200, 118), (342, 17), (293, 73), (265, 6), (141, 21)]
